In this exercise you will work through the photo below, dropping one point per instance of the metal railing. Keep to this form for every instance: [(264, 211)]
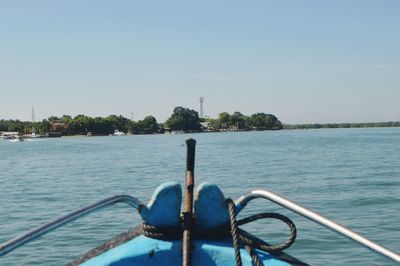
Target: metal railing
[(240, 204), (315, 217), (50, 226)]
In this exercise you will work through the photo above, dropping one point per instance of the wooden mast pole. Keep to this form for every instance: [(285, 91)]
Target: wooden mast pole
[(188, 210)]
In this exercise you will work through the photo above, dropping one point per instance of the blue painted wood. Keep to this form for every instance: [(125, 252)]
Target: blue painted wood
[(164, 208), (146, 251), (209, 206)]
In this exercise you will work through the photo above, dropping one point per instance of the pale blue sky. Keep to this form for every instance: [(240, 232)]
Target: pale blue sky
[(304, 61)]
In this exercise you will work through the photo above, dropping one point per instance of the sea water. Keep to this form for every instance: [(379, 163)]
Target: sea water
[(349, 175)]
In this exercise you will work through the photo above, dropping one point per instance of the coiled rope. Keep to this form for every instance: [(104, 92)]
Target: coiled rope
[(239, 236), (250, 242)]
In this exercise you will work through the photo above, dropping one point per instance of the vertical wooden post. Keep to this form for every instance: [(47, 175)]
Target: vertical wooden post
[(188, 210)]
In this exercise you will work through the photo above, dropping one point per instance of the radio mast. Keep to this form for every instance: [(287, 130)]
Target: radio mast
[(201, 107), (33, 120), (33, 115)]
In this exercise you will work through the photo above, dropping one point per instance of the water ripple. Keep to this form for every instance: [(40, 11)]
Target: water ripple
[(350, 175)]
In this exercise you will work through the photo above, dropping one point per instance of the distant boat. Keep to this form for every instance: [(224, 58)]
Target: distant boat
[(177, 132), (89, 134), (10, 135), (34, 135), (17, 139), (118, 133)]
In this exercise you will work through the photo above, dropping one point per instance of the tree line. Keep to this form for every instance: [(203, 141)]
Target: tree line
[(82, 124), (241, 122), (342, 125), (182, 119)]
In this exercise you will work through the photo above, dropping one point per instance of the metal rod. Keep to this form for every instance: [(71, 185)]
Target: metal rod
[(20, 240), (188, 211), (315, 217)]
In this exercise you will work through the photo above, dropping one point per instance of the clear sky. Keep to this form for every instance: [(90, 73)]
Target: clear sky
[(304, 61)]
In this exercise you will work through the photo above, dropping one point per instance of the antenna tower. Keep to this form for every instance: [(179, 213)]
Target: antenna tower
[(201, 107), (33, 120), (33, 115)]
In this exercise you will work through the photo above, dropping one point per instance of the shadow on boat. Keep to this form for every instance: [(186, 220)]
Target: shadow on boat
[(211, 253)]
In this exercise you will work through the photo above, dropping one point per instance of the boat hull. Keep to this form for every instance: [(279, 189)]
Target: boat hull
[(147, 251), (131, 248)]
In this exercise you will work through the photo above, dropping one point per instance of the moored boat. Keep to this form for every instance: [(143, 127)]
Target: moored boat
[(118, 133), (206, 232), (34, 135), (10, 135), (16, 138)]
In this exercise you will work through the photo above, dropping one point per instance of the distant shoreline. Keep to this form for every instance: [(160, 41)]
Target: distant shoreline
[(292, 128), (341, 125), (231, 131), (182, 120)]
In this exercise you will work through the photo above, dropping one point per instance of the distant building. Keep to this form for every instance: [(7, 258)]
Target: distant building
[(206, 126), (56, 125), (223, 127), (9, 133), (57, 128)]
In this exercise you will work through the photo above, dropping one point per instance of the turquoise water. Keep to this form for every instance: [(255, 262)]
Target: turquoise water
[(349, 175)]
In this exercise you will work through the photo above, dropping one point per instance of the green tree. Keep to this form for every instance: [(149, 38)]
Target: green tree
[(3, 125), (119, 122), (184, 119), (16, 125), (102, 126), (262, 121), (148, 125), (66, 118), (214, 124), (53, 118), (238, 120), (81, 124), (224, 118)]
